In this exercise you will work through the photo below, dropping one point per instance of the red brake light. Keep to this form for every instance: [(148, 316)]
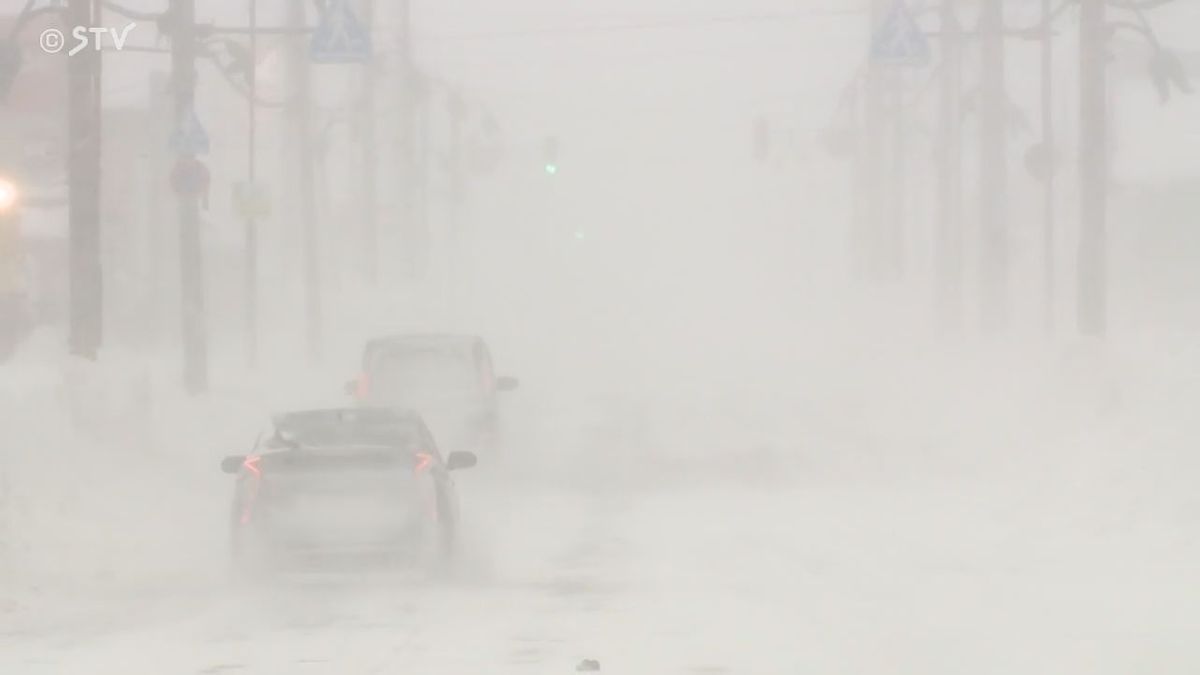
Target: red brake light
[(251, 465), (363, 388), (423, 462)]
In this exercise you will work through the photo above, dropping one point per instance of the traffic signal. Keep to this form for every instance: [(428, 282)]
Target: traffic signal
[(550, 155)]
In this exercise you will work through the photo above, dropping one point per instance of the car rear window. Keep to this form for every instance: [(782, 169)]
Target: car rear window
[(430, 372), (346, 428), (341, 471)]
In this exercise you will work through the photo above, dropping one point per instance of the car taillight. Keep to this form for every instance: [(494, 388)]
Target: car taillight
[(252, 466), (423, 462)]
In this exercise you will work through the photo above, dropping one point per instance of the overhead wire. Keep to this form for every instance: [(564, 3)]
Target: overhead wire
[(664, 24)]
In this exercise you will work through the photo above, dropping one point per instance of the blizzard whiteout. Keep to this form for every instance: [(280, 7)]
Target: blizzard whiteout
[(650, 337)]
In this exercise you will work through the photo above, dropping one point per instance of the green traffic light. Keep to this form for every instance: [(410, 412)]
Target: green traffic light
[(551, 169)]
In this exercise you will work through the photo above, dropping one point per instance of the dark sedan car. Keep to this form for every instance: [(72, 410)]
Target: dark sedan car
[(340, 484)]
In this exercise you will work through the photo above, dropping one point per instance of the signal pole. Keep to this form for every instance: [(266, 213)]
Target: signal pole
[(183, 84), (873, 177), (949, 240), (457, 113), (859, 215), (302, 133), (157, 204), (251, 280), (83, 175), (415, 139), (1048, 213), (893, 236), (1093, 169), (993, 171), (420, 158), (370, 214)]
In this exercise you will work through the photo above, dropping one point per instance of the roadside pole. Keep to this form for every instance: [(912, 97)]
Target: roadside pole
[(410, 229), (893, 235), (302, 134), (993, 171), (367, 140), (897, 45), (251, 280), (420, 158), (157, 203), (183, 84), (1048, 197), (948, 250), (1093, 169), (457, 114), (83, 175), (873, 177)]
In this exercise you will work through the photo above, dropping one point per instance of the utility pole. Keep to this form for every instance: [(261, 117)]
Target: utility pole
[(893, 235), (411, 229), (993, 170), (183, 85), (948, 250), (83, 175), (157, 204), (1093, 169), (370, 214), (251, 280), (873, 177), (457, 114), (422, 159), (302, 133), (852, 104), (418, 148), (1048, 210)]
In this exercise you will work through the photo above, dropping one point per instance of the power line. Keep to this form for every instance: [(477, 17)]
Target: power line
[(701, 22)]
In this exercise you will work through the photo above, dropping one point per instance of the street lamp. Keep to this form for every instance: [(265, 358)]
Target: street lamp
[(9, 196)]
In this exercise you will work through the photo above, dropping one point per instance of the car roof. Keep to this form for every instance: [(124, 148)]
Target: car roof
[(425, 340), (346, 427), (348, 415)]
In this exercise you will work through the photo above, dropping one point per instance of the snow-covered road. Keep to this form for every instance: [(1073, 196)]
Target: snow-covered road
[(720, 579), (970, 548)]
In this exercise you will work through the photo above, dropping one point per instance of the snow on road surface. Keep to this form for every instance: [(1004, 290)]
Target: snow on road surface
[(1076, 554), (712, 581)]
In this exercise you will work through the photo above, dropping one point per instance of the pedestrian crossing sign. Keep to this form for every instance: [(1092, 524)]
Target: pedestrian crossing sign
[(340, 37), (898, 39), (189, 136)]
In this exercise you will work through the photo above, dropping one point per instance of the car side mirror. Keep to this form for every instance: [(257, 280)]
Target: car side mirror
[(460, 460), (233, 463), (506, 383)]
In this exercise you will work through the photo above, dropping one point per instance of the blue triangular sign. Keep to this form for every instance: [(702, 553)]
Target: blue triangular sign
[(340, 38), (899, 40), (189, 137)]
